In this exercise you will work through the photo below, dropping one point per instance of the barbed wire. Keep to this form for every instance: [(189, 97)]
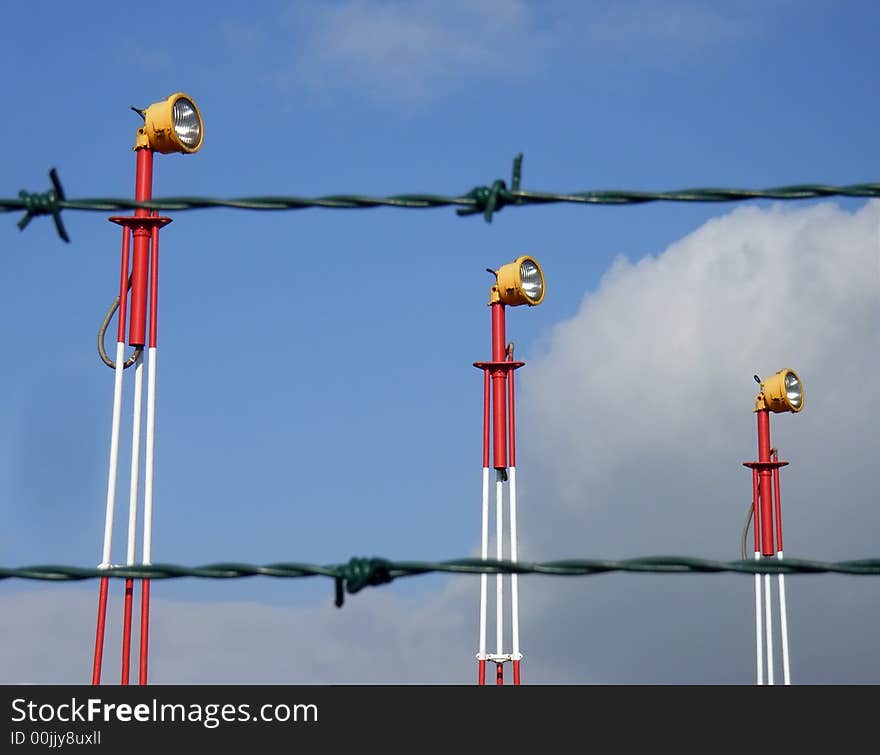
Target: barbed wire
[(485, 200), (358, 573)]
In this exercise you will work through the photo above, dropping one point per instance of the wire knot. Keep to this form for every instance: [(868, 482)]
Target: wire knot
[(491, 199), (488, 200), (45, 203), (359, 573)]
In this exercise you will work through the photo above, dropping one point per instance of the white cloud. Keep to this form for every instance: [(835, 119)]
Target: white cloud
[(634, 425), (662, 355), (666, 349), (639, 416), (376, 637), (416, 51), (645, 28), (409, 51)]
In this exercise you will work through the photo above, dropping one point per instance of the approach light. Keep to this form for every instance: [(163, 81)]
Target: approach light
[(519, 282), (172, 125), (783, 392)]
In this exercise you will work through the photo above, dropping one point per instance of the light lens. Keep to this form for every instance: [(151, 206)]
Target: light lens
[(186, 123), (532, 281), (793, 390)]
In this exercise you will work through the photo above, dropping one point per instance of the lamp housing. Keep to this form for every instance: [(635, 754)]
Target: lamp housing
[(519, 282), (173, 125), (782, 392)]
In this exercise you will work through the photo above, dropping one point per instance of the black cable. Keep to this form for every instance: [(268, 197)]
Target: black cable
[(746, 531), (102, 332)]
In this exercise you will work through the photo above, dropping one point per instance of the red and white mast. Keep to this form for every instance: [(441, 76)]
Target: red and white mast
[(173, 125), (519, 282), (782, 392), (142, 229)]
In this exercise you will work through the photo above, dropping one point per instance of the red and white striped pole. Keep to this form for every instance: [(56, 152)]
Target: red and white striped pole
[(484, 548), (765, 509), (767, 519), (149, 461), (132, 512), (171, 125), (783, 609), (498, 420), (759, 612), (139, 280), (140, 260), (499, 458), (114, 457), (514, 582), (141, 232)]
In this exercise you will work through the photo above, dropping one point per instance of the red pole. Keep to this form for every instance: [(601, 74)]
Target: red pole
[(481, 669), (123, 285), (512, 445), (497, 408), (511, 437), (499, 413), (154, 285), (126, 631), (140, 258), (499, 380), (145, 633), (756, 512), (143, 191), (120, 337), (486, 407), (154, 334), (99, 632), (778, 503), (765, 484)]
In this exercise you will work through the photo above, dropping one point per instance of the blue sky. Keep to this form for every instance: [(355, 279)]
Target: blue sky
[(316, 396)]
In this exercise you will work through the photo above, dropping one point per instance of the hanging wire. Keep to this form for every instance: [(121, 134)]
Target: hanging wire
[(745, 532), (102, 352)]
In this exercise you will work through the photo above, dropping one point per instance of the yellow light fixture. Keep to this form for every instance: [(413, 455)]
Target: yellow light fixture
[(172, 125), (519, 282), (782, 392)]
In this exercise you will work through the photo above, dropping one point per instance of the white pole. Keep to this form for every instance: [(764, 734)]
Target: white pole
[(783, 617), (484, 554), (499, 551), (135, 458), (114, 454), (769, 621), (514, 588), (148, 461), (759, 645)]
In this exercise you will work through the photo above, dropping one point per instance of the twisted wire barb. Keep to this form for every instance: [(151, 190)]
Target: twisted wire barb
[(358, 573), (485, 200), (43, 203)]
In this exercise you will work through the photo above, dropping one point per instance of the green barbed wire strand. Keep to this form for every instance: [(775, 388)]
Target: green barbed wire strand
[(422, 201), (359, 573), (486, 200), (395, 569)]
